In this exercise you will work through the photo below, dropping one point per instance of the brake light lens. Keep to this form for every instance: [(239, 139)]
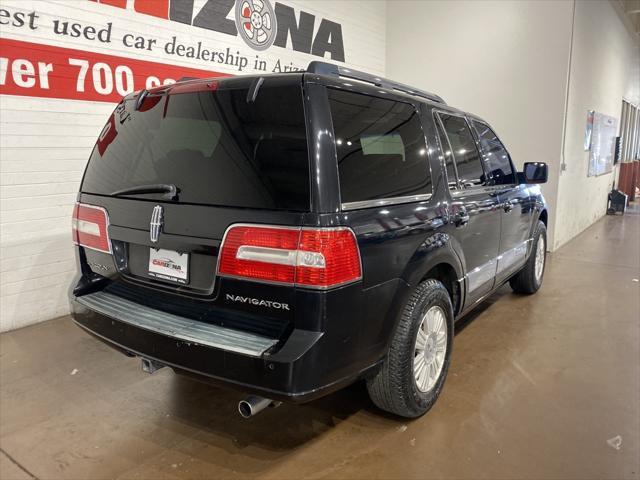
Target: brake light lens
[(260, 253), (89, 227), (310, 257), (328, 258)]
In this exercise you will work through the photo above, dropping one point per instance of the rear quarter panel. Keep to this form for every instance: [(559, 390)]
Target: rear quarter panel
[(399, 245)]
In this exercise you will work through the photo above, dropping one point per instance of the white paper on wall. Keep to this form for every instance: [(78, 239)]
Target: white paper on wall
[(603, 139)]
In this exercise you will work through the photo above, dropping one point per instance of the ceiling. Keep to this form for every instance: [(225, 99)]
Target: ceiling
[(630, 10)]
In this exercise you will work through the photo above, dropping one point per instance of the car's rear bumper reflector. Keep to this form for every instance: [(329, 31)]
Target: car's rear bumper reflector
[(181, 328)]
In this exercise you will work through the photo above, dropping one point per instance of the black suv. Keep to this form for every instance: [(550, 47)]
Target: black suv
[(291, 234)]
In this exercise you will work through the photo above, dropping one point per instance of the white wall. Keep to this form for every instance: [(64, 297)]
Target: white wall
[(44, 145), (47, 131), (515, 64), (605, 67), (506, 61)]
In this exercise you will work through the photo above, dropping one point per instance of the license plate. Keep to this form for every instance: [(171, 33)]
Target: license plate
[(169, 265)]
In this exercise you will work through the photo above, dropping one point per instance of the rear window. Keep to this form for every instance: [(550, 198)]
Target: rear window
[(216, 147), (381, 148)]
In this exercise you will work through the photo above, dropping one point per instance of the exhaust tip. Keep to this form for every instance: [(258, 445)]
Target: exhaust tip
[(151, 366), (253, 405), (244, 408)]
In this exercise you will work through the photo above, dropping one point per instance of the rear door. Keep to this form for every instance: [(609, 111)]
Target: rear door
[(234, 153), (386, 198), (516, 209), (385, 180), (475, 206)]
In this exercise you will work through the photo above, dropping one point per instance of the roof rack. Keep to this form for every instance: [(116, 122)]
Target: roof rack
[(324, 68)]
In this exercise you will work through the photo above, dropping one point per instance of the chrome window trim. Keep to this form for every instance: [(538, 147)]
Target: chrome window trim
[(346, 206), (383, 202)]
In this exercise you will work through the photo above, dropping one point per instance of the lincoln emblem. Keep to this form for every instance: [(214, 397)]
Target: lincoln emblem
[(155, 226)]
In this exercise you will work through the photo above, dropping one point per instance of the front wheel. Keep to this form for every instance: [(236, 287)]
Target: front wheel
[(529, 279), (411, 377)]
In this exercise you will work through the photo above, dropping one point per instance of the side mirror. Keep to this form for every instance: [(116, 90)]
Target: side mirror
[(535, 172)]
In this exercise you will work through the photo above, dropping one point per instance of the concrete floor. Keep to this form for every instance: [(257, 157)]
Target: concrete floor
[(537, 386)]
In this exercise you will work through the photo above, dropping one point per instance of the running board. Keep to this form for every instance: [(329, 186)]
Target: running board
[(181, 328)]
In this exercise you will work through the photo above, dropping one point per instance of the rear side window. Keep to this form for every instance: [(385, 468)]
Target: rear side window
[(496, 156), (464, 150), (381, 147), (216, 147)]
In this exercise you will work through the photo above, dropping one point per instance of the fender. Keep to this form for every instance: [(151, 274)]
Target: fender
[(437, 249), (539, 207)]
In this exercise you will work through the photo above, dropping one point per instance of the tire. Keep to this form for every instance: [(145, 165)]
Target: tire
[(395, 387), (528, 280)]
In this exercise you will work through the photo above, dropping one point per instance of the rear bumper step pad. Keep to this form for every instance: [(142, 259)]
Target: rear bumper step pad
[(181, 328)]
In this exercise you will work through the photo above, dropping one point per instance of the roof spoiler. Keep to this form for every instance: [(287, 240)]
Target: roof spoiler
[(324, 68)]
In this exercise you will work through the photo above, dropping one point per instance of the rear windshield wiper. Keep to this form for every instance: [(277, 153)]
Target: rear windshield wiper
[(170, 190)]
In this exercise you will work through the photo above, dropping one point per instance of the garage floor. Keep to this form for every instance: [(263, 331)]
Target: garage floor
[(540, 387)]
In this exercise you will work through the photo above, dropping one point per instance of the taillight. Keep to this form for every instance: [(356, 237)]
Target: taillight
[(89, 227), (262, 253), (327, 257), (310, 257)]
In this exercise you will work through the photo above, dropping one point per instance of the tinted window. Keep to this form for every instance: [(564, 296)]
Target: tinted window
[(495, 155), (465, 152), (452, 177), (216, 147), (381, 147)]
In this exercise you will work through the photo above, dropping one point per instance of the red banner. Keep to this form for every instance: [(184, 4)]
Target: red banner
[(37, 70)]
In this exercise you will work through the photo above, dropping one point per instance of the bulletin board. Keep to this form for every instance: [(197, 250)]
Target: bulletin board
[(603, 138)]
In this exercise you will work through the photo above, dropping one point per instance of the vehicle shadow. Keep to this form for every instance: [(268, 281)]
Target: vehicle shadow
[(270, 440), (482, 307), (211, 411)]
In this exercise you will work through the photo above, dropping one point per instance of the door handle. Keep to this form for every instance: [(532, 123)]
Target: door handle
[(461, 217), (508, 206)]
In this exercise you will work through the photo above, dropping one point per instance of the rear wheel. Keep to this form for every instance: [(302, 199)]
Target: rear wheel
[(412, 375), (529, 279)]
